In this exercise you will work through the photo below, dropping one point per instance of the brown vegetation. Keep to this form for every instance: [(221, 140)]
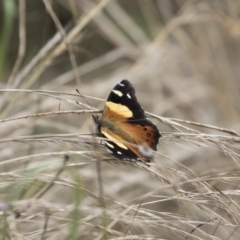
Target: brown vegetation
[(57, 181)]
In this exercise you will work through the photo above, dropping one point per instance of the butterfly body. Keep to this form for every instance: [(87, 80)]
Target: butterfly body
[(125, 126)]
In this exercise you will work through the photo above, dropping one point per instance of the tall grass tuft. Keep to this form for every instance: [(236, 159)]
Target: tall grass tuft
[(57, 181)]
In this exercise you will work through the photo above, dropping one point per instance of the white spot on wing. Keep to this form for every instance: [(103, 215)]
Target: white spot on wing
[(119, 153), (121, 84), (117, 93), (109, 151), (128, 95), (109, 144)]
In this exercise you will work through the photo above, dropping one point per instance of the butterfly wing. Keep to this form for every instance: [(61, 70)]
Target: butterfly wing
[(144, 132), (122, 103), (118, 147), (125, 125)]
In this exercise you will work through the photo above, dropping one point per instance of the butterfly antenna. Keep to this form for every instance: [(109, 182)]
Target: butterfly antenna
[(198, 226), (84, 100)]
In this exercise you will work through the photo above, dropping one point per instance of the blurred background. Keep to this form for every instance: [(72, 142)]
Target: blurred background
[(182, 57)]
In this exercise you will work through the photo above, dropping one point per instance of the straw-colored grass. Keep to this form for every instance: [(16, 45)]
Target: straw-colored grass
[(56, 179)]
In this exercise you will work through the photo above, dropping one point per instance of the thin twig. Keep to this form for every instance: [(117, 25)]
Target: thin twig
[(229, 131), (50, 184), (49, 114), (45, 223), (22, 40), (68, 46)]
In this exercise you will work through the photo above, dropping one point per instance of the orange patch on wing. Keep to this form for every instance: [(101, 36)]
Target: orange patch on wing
[(141, 134), (118, 110)]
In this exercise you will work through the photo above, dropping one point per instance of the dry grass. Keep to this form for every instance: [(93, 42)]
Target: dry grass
[(58, 182)]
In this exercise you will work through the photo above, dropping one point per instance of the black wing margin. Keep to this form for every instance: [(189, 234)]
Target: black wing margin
[(128, 99)]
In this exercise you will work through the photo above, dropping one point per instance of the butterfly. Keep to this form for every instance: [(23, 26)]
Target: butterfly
[(126, 131)]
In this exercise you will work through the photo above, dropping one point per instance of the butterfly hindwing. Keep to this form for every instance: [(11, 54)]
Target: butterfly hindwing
[(144, 132), (119, 148)]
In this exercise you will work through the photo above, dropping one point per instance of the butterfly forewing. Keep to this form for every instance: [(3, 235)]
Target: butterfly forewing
[(122, 101)]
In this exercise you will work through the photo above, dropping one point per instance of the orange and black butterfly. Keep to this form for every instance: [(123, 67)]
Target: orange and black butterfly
[(124, 125)]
